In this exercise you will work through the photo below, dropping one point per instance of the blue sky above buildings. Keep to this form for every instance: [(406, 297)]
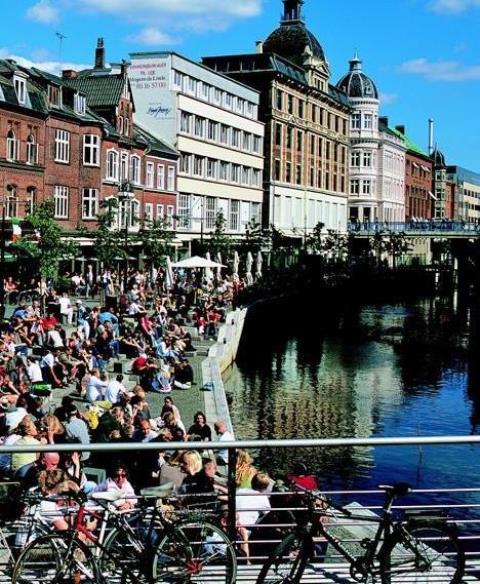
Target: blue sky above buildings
[(422, 54)]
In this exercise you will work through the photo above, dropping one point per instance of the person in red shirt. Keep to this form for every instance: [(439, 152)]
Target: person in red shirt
[(49, 321)]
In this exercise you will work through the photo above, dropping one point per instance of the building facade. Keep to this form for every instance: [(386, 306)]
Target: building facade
[(55, 146), (418, 180), (467, 193), (307, 126), (444, 203), (213, 122), (377, 157)]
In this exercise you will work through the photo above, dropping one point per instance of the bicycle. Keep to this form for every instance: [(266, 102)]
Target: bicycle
[(139, 546), (413, 543)]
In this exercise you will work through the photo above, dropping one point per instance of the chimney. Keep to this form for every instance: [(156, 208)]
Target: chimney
[(69, 74), (100, 55), (430, 135), (124, 67), (383, 120), (400, 129), (259, 46)]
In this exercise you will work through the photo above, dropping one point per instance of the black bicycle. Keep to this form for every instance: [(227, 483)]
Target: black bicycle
[(412, 545)]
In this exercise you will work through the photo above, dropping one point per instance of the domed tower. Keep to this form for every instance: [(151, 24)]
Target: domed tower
[(293, 41)]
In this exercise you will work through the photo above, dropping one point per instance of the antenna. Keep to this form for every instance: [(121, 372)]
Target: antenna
[(60, 37)]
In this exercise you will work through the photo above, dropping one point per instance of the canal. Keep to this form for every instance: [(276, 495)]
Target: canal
[(403, 368)]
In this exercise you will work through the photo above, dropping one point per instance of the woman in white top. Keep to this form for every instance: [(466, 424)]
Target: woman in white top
[(117, 481)]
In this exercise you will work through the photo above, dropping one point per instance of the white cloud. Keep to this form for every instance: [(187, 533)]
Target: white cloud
[(152, 36), (388, 98), (451, 71), (54, 67), (43, 11), (453, 6)]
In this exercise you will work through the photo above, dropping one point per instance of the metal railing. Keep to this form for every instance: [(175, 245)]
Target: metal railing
[(462, 504), (434, 228)]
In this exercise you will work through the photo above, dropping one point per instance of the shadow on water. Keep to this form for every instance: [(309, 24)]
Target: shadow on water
[(397, 369)]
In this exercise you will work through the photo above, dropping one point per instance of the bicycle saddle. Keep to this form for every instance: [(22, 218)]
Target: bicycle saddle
[(110, 496), (161, 492), (398, 490)]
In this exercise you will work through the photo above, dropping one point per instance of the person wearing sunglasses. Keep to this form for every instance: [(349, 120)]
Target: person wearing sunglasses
[(117, 481)]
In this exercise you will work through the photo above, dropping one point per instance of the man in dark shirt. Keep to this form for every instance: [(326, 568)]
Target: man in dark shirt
[(183, 374)]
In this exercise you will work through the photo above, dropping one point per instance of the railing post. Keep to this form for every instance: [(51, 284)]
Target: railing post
[(232, 488)]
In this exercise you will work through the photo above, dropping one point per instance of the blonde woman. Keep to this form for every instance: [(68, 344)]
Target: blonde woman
[(245, 470)]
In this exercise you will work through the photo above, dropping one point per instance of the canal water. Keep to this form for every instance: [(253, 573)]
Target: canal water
[(407, 368)]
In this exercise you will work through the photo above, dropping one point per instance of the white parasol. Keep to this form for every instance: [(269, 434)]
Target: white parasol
[(196, 262), (259, 265), (249, 269), (169, 274), (236, 262), (208, 269)]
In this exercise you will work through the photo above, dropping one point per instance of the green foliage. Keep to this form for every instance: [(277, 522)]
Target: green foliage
[(391, 243), (49, 247), (109, 241), (157, 240), (219, 240)]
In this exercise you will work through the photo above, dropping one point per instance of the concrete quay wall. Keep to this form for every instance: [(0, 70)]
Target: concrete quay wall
[(220, 356)]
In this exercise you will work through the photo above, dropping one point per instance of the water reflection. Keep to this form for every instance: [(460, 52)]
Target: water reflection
[(378, 370)]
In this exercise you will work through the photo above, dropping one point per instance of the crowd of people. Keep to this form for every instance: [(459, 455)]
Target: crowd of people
[(75, 344)]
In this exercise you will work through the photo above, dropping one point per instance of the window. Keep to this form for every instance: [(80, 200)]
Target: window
[(288, 172), (79, 104), (278, 134), (289, 137), (177, 79), (120, 124), (367, 187), (150, 175), (124, 167), (32, 150), (355, 158), (299, 141), (300, 109), (89, 203), (160, 212), (210, 212), (228, 100), (199, 126), (212, 130), (224, 134), (245, 175), (298, 174), (112, 165), (127, 127), (31, 200), (234, 215), (256, 177), (256, 144), (185, 122), (255, 213), (135, 169), (211, 168), (149, 211), (192, 85), (183, 210), (355, 187), (236, 173), (223, 173), (54, 95), (246, 140), (20, 89), (60, 198), (11, 203), (279, 99), (185, 163), (356, 121), (12, 146), (62, 146), (367, 159), (368, 121), (160, 177), (290, 104), (205, 90), (198, 165), (91, 150), (236, 138), (217, 95), (170, 214), (171, 178)]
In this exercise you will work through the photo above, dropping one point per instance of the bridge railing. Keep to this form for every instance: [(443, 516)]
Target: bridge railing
[(460, 502), (433, 226)]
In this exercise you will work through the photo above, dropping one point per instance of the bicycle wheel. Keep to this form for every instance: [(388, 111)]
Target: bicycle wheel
[(287, 562), (56, 559), (425, 549), (195, 553), (123, 556)]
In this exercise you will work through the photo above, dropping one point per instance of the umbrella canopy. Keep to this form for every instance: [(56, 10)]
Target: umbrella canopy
[(169, 273), (197, 262), (236, 262), (249, 269), (259, 264)]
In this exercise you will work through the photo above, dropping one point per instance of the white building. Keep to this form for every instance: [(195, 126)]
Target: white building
[(377, 159), (213, 122)]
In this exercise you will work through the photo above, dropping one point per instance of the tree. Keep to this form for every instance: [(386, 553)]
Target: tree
[(392, 243), (157, 240), (219, 240), (49, 247)]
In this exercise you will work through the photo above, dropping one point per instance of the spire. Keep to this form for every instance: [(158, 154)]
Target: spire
[(292, 11), (355, 63)]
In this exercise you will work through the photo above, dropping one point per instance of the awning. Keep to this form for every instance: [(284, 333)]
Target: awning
[(433, 196), (415, 165), (425, 168)]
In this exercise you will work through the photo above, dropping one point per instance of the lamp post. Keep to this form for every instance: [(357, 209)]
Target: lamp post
[(125, 196)]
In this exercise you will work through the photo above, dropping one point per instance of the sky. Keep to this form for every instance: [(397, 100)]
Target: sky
[(424, 55)]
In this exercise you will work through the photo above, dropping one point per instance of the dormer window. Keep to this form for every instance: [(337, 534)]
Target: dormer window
[(80, 104), (20, 85), (54, 95)]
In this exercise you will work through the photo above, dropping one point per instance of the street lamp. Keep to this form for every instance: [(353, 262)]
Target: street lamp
[(125, 196)]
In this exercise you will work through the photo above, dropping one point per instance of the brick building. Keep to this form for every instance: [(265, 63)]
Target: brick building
[(74, 140), (418, 180)]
